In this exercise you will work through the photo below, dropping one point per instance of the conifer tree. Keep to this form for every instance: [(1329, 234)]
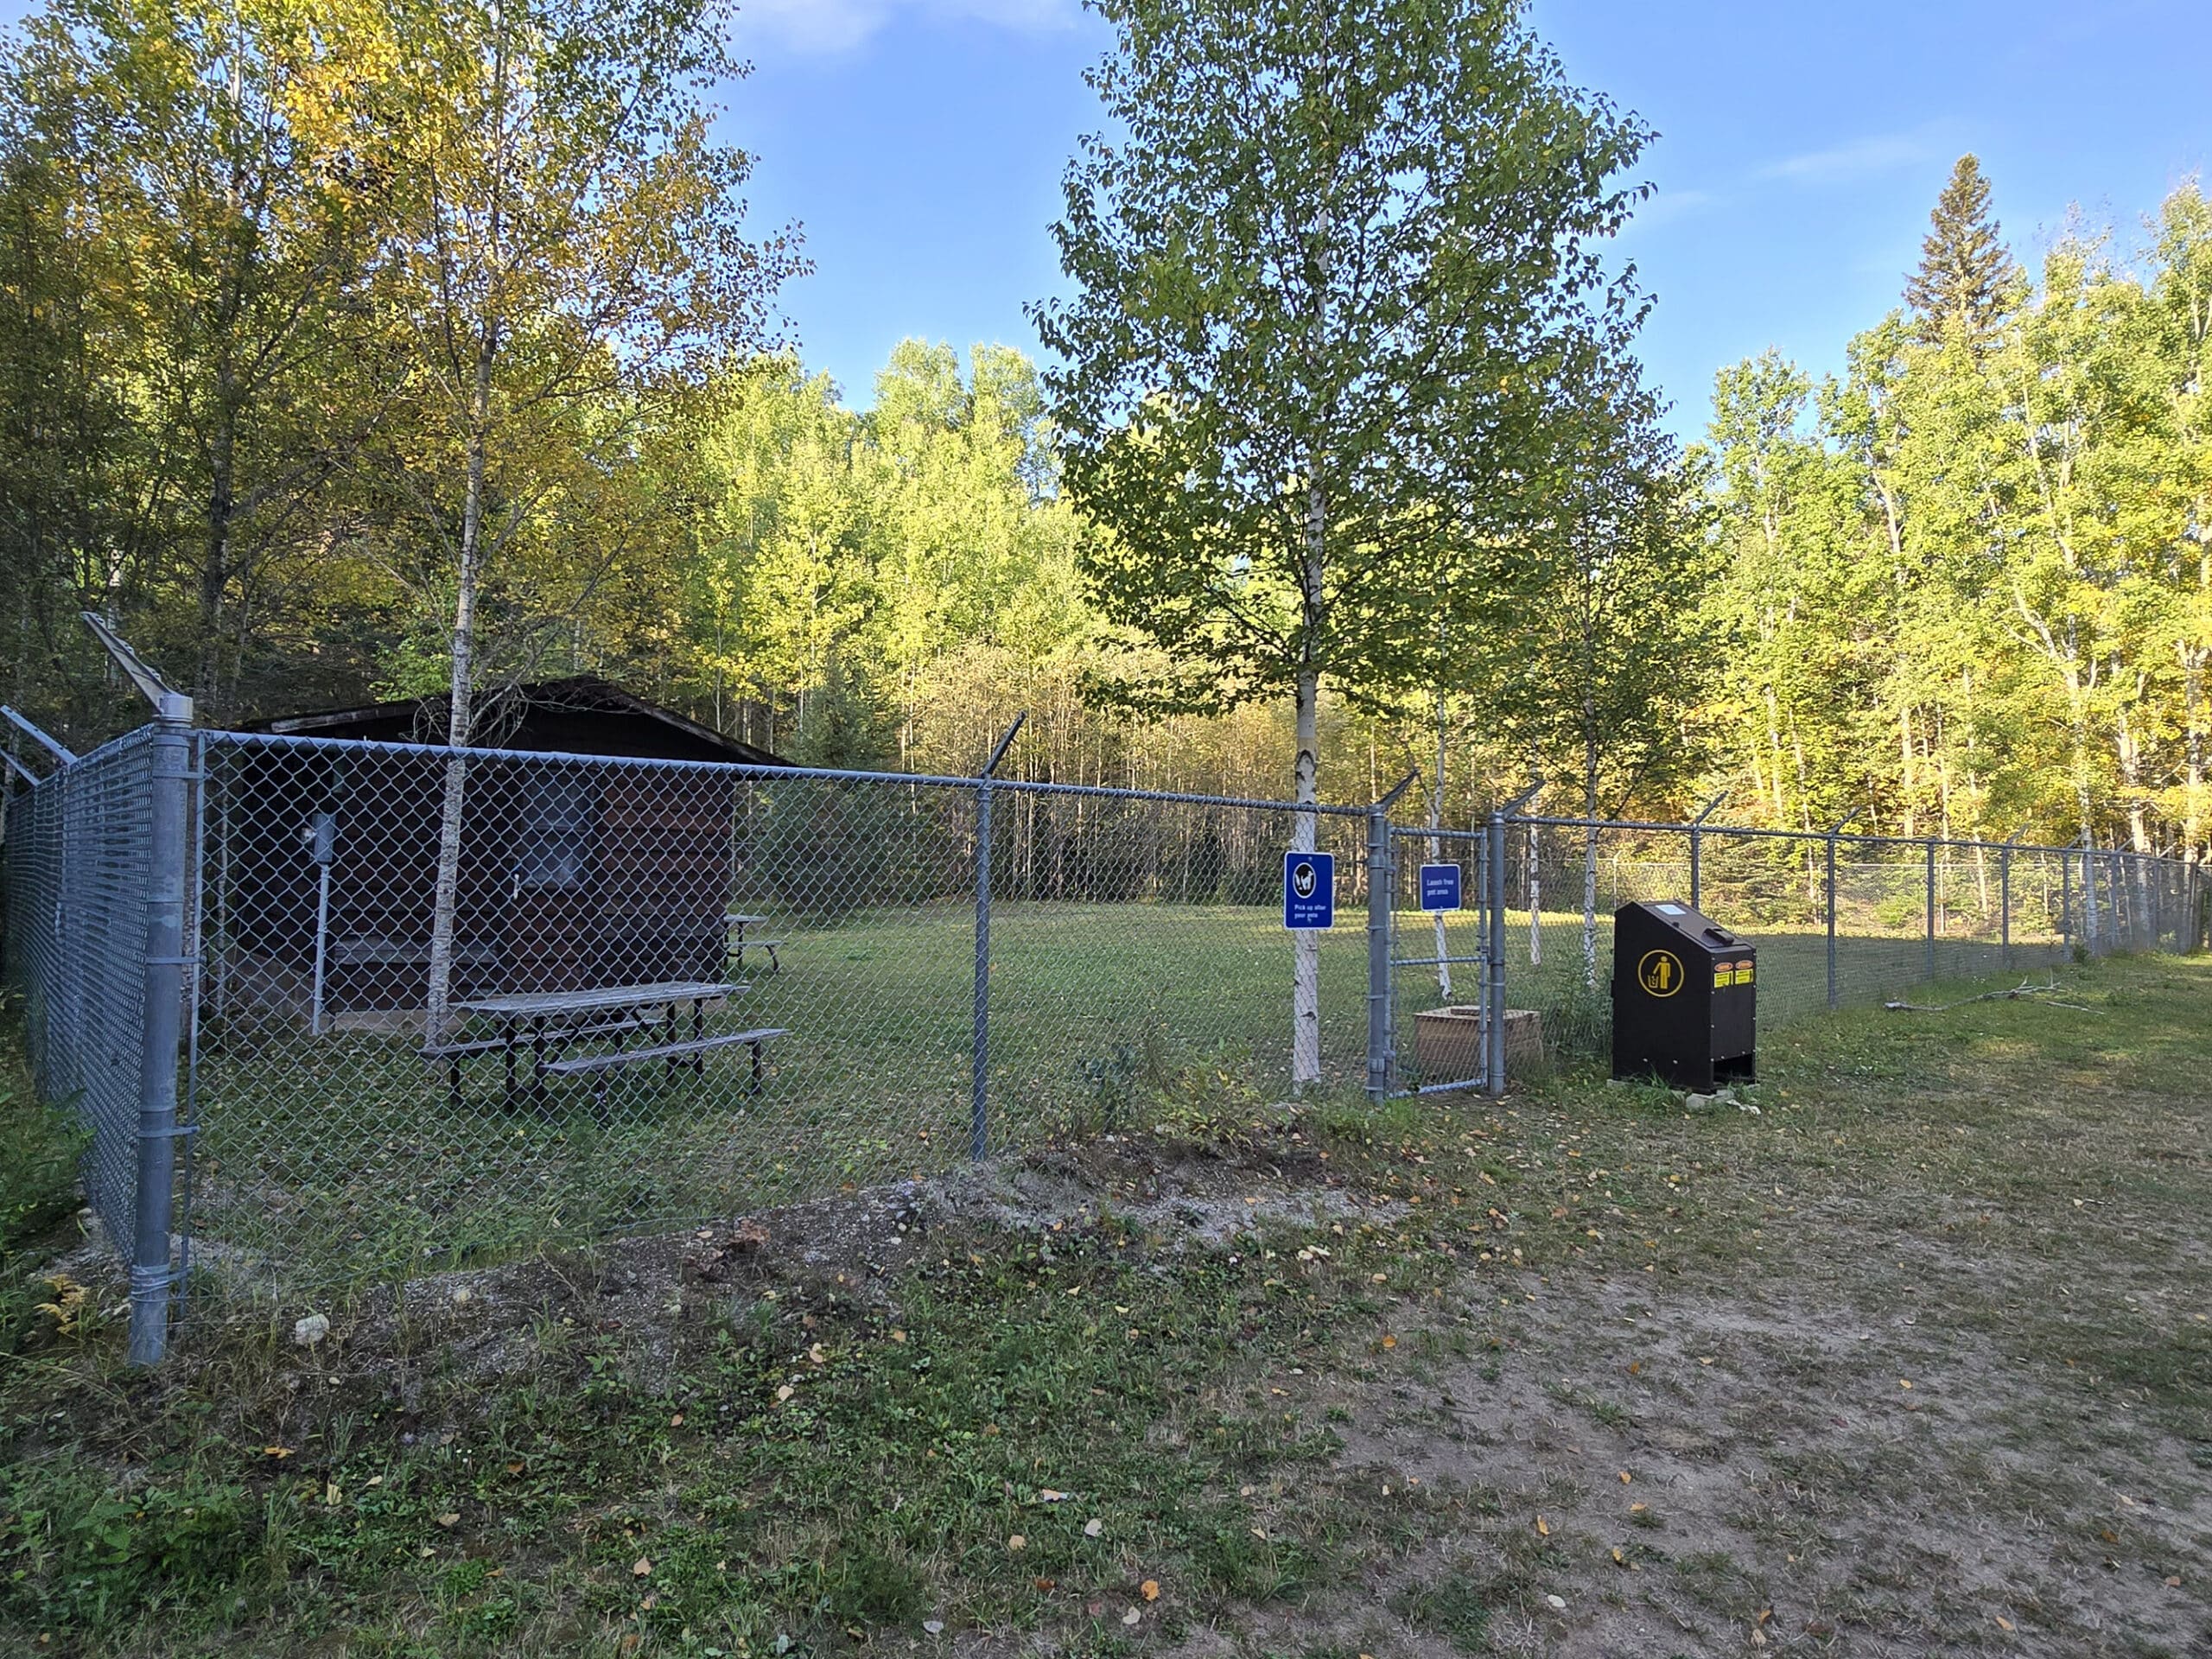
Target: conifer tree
[(1964, 267)]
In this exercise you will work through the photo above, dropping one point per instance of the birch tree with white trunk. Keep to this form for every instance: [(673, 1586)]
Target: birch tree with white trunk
[(567, 246), (1321, 269)]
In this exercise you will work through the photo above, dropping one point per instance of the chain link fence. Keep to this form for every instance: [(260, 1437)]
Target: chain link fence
[(1839, 920), (78, 871), (677, 989), (438, 1008)]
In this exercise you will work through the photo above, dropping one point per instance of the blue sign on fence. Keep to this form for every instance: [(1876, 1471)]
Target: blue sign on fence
[(1309, 890), (1439, 886)]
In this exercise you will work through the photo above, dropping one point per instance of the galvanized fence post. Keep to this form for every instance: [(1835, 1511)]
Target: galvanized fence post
[(979, 1119), (2005, 905), (1697, 848), (1929, 965), (1494, 994), (1381, 885), (2066, 905), (2089, 930), (1829, 906), (162, 1034), (1493, 968)]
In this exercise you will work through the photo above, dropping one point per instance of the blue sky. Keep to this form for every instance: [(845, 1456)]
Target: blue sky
[(920, 142), (920, 145)]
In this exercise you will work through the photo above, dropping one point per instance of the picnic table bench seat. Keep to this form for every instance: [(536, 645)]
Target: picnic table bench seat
[(597, 1066), (738, 945), (451, 1054)]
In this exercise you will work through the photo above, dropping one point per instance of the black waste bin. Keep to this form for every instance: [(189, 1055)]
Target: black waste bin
[(1684, 998)]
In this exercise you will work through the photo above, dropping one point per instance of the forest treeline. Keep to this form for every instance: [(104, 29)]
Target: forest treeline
[(320, 334)]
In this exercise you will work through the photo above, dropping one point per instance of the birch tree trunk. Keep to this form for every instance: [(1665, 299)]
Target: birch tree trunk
[(1436, 853), (1305, 778), (1306, 953), (437, 1020), (1589, 844)]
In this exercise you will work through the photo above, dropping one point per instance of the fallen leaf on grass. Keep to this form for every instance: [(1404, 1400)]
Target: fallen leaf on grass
[(1149, 1589), (900, 1336), (1626, 1478), (2003, 1623), (785, 1392), (1638, 1508), (1904, 1382), (1131, 1617), (677, 1421), (1017, 1543), (1093, 1526), (641, 1568), (450, 1518), (1045, 1584), (278, 1452), (1389, 1341), (1557, 1604), (2174, 1583), (933, 1626), (1542, 1529)]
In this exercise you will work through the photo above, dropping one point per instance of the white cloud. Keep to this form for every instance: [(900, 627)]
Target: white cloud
[(832, 26), (1861, 158), (1667, 206)]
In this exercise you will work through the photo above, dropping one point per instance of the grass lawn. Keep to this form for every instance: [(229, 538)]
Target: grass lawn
[(1914, 1359), (342, 1157)]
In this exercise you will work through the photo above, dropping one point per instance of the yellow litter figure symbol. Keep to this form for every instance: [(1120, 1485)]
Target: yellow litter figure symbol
[(1660, 973)]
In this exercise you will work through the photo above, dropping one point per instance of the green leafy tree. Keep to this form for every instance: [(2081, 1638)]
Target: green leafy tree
[(1610, 644), (1320, 286)]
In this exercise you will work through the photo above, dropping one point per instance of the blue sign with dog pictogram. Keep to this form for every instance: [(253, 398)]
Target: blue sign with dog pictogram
[(1439, 886), (1309, 890)]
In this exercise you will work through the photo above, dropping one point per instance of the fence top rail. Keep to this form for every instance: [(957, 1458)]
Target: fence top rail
[(1108, 792), (1747, 833), (762, 773)]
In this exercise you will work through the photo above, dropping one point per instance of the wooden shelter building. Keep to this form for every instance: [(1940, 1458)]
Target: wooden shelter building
[(575, 871)]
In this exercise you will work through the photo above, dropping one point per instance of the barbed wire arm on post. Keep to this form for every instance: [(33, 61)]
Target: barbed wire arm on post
[(22, 722)]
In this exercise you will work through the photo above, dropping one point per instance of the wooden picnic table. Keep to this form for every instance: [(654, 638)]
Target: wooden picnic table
[(556, 1020)]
